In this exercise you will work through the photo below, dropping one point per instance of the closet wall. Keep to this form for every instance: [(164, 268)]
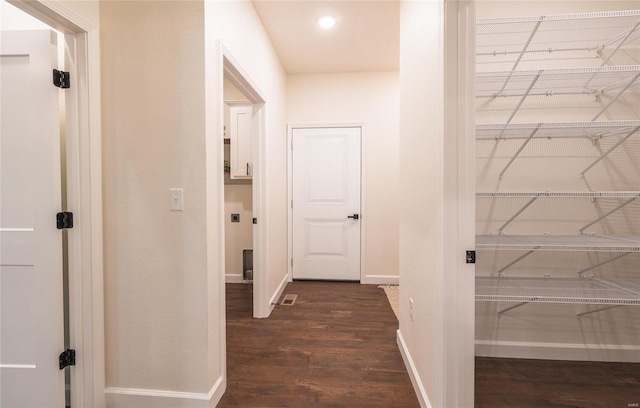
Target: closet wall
[(536, 191)]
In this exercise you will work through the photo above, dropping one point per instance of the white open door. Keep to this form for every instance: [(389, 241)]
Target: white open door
[(31, 299), (326, 203)]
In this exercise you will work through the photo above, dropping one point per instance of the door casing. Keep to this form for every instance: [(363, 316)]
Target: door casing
[(363, 189)]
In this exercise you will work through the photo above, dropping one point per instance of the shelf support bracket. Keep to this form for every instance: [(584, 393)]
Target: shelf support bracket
[(520, 150), (602, 309), (615, 146), (517, 214), (620, 44), (581, 272), (607, 214), (500, 312), (524, 49), (526, 94), (504, 268), (604, 109)]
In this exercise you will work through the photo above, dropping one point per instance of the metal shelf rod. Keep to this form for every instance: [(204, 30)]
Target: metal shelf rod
[(581, 272), (526, 45), (615, 146), (613, 285), (608, 214), (602, 309), (614, 39), (500, 312), (616, 97), (517, 214), (525, 96), (519, 150), (620, 44), (501, 271), (631, 31)]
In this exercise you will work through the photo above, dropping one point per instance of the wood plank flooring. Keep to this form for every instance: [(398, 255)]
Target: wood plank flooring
[(511, 383), (335, 347)]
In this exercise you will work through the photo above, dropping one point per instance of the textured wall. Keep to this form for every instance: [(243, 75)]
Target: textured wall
[(156, 313)]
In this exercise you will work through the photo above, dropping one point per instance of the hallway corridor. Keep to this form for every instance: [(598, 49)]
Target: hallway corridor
[(335, 347)]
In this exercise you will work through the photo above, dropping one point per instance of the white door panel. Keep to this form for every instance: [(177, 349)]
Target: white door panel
[(326, 191), (31, 303)]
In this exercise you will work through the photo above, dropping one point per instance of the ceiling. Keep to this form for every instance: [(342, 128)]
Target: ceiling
[(366, 36)]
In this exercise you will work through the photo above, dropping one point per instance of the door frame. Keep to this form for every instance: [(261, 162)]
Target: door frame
[(363, 189), (84, 197), (226, 66)]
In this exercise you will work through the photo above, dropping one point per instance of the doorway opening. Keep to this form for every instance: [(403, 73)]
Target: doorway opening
[(238, 185), (242, 254)]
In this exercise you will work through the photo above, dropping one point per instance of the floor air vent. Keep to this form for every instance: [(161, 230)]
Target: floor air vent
[(289, 300)]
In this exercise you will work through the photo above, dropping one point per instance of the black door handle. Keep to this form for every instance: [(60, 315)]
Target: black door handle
[(354, 216)]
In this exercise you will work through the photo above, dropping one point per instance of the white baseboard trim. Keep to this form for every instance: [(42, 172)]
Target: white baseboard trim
[(276, 296), (233, 278), (421, 393), (558, 351), (381, 280), (141, 398)]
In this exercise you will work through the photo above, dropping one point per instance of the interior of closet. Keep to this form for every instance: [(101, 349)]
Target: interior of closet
[(558, 184)]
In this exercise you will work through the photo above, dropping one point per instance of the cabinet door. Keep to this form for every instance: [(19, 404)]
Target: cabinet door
[(240, 135)]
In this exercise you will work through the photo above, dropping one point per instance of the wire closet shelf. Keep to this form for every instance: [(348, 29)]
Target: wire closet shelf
[(558, 130), (580, 35), (573, 243), (591, 291)]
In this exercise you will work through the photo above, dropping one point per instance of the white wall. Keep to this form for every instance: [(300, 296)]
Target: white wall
[(371, 99), (437, 189), (553, 331), (421, 157), (238, 235), (156, 299), (237, 26)]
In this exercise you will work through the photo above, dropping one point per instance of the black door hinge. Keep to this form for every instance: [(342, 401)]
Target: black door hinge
[(471, 257), (67, 358), (61, 79), (255, 220), (64, 220)]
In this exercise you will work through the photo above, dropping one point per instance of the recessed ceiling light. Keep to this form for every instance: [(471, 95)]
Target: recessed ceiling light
[(326, 22)]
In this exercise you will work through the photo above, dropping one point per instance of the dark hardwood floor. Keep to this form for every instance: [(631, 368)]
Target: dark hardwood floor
[(335, 347), (520, 383)]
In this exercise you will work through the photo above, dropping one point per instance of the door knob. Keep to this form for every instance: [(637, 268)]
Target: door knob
[(354, 216)]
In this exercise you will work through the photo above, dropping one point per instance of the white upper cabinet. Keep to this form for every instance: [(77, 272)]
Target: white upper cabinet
[(240, 135)]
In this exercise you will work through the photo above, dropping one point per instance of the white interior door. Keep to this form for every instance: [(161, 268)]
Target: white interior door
[(31, 300), (326, 203)]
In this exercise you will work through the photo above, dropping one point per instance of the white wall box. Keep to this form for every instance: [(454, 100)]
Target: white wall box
[(558, 208), (240, 137)]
